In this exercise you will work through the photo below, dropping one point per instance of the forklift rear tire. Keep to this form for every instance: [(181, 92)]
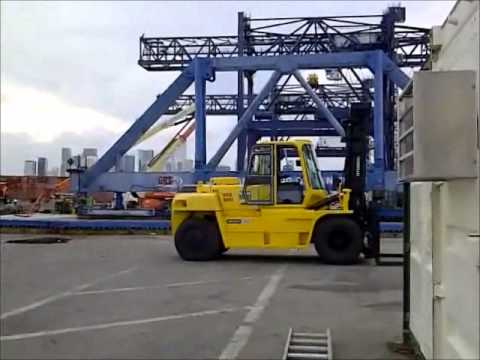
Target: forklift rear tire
[(338, 241), (198, 240)]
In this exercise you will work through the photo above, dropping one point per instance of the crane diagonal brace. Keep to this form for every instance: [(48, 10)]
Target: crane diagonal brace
[(139, 127), (321, 107), (242, 123)]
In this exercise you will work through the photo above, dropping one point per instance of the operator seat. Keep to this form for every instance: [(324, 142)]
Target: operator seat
[(289, 187), (291, 193)]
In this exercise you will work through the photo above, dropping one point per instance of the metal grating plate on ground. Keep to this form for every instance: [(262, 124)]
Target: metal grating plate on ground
[(306, 345)]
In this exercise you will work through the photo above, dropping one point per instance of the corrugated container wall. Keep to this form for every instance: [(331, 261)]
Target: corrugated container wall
[(445, 221)]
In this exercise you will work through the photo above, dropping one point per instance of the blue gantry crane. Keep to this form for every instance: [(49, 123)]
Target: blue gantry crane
[(287, 105)]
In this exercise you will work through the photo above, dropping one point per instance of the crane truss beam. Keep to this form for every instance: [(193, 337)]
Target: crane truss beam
[(291, 36), (292, 100)]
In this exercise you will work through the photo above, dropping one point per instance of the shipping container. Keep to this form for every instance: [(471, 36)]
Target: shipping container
[(445, 222)]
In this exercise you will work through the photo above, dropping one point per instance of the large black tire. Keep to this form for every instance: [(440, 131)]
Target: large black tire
[(338, 240), (198, 240)]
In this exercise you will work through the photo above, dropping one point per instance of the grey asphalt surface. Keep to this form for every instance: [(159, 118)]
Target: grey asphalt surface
[(361, 304)]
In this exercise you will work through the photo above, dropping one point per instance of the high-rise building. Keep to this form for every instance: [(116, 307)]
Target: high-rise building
[(89, 152), (176, 160), (187, 165), (30, 168), (127, 163), (42, 166), (90, 160), (180, 153), (89, 156), (66, 154), (53, 171), (144, 157)]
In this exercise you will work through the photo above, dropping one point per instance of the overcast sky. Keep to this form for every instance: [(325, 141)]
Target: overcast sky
[(69, 73)]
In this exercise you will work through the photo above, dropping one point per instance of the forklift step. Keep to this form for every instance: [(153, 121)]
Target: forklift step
[(303, 345)]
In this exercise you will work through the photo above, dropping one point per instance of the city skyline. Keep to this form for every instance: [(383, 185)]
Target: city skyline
[(131, 162)]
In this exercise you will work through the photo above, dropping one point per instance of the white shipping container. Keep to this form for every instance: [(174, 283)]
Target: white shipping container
[(421, 276), (445, 223)]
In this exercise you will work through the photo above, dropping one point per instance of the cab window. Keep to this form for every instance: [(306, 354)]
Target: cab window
[(313, 175), (258, 182), (290, 177)]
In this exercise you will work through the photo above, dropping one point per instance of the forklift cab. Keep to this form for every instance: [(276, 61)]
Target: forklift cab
[(283, 173)]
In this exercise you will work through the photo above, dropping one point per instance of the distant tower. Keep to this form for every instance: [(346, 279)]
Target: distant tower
[(144, 157), (90, 160), (89, 152), (127, 163), (66, 154), (53, 171), (181, 152), (42, 166), (89, 156), (30, 168), (187, 165), (178, 157)]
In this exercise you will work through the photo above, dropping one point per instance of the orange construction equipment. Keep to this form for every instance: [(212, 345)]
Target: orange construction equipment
[(45, 195), (156, 200)]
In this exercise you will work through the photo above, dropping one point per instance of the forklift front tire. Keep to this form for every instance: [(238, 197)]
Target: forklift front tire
[(198, 240), (339, 241)]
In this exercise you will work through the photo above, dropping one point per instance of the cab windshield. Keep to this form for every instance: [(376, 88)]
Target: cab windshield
[(313, 174)]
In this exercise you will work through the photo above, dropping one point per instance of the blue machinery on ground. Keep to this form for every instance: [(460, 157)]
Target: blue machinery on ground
[(348, 45), (57, 223)]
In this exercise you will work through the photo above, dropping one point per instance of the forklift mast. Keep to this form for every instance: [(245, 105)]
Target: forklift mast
[(356, 146), (356, 152)]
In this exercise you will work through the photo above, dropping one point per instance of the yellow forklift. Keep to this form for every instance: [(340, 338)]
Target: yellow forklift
[(282, 204)]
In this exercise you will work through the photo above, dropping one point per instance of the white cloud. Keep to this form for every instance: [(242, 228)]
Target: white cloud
[(45, 116)]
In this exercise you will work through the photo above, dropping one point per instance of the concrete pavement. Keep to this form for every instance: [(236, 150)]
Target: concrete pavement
[(133, 297)]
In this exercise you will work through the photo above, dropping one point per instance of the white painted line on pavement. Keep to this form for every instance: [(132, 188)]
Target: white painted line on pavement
[(243, 332), (119, 323), (264, 297), (191, 283), (237, 342), (173, 285), (114, 290), (61, 295)]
